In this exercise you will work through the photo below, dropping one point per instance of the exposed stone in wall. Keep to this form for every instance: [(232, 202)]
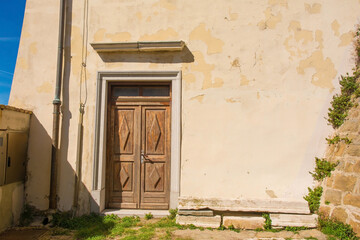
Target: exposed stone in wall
[(341, 198)]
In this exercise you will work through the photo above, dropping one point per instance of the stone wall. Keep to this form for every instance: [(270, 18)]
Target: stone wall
[(341, 196)]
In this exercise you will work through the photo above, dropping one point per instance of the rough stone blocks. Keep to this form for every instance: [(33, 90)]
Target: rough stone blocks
[(333, 196), (203, 221), (294, 220), (244, 222)]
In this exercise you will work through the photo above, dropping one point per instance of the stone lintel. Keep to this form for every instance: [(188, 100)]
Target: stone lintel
[(294, 220), (156, 46), (245, 205), (200, 221)]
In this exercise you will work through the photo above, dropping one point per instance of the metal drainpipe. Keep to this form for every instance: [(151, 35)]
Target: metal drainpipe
[(56, 113)]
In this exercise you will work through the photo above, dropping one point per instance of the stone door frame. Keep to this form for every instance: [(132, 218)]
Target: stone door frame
[(99, 160)]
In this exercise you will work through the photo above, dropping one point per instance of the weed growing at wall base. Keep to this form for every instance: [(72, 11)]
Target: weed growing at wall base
[(313, 198), (336, 229), (323, 169)]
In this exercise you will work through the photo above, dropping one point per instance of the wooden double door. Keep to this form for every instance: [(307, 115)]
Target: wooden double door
[(138, 153)]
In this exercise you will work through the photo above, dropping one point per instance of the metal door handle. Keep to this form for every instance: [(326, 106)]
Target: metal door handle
[(8, 163), (144, 157)]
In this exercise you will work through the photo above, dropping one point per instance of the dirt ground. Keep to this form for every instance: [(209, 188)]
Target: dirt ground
[(47, 234)]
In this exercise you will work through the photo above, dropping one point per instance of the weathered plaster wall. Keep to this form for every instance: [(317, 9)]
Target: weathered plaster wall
[(11, 204), (258, 77)]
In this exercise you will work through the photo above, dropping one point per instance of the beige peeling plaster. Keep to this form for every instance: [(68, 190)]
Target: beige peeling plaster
[(283, 3), (346, 39), (214, 45), (199, 98), (335, 27), (324, 69), (271, 19), (313, 9), (46, 87), (206, 69), (161, 35), (298, 39), (167, 4)]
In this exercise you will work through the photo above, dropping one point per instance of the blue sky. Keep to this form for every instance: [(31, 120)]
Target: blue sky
[(11, 19)]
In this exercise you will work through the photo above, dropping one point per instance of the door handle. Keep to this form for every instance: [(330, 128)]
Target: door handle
[(8, 162), (144, 157)]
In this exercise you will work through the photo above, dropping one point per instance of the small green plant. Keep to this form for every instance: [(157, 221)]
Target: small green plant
[(323, 169), (192, 226), (336, 139), (267, 225), (336, 229), (221, 228), (27, 216), (59, 231), (313, 198), (173, 213), (341, 103), (295, 229), (149, 216)]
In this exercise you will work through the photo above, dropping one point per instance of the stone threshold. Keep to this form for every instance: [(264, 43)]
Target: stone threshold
[(136, 212)]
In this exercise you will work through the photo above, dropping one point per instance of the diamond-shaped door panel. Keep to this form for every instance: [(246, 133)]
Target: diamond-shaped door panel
[(124, 133), (122, 176), (155, 139), (154, 177), (123, 128)]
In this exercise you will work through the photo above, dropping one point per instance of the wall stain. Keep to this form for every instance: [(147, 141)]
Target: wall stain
[(335, 27), (325, 69), (76, 47), (138, 16), (100, 35), (46, 87), (235, 63), (244, 81), (233, 16), (214, 45), (271, 20), (346, 39), (199, 98), (297, 37), (22, 63), (33, 48), (283, 3), (189, 80), (119, 37), (271, 193), (319, 38), (161, 35), (202, 67), (258, 95), (167, 4), (148, 19), (25, 34), (232, 100), (313, 9)]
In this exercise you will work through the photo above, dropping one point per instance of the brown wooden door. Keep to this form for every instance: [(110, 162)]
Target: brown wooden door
[(138, 165)]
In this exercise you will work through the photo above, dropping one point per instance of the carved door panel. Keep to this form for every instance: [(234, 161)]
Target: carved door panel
[(138, 166), (123, 167), (155, 169)]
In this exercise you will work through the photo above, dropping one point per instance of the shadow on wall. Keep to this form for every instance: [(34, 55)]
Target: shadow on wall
[(185, 56), (37, 183)]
